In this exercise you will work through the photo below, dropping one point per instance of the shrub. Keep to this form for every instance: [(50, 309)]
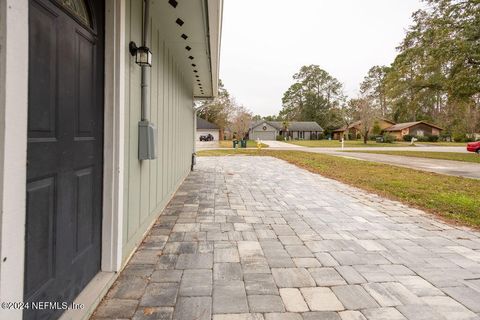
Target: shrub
[(388, 138), (351, 136), (280, 138), (422, 138), (432, 138), (459, 137), (445, 137), (408, 137), (320, 136)]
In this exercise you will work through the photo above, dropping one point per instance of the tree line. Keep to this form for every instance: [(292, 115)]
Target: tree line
[(232, 118), (435, 77)]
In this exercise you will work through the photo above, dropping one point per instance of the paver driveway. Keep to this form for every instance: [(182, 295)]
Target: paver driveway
[(248, 238)]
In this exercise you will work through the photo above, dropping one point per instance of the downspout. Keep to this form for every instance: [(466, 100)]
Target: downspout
[(194, 153)]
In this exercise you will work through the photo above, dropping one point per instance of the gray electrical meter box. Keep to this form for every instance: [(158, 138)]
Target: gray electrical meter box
[(147, 140)]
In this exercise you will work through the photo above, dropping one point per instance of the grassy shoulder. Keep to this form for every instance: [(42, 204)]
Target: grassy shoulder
[(453, 198), (456, 156), (444, 144), (348, 143), (360, 144), (250, 144)]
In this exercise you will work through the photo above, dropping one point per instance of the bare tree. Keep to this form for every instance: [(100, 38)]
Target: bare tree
[(348, 112), (219, 109), (366, 114), (241, 121)]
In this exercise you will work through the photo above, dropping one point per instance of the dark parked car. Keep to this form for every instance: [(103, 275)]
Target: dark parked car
[(474, 147), (207, 137)]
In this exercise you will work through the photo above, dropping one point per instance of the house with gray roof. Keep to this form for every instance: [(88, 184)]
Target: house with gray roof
[(269, 130)]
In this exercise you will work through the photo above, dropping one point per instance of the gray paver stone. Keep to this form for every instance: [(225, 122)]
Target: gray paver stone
[(321, 299), (227, 271), (326, 277), (260, 283), (229, 297), (148, 313), (166, 276), (323, 315), (292, 278), (383, 314), (196, 282), (117, 308), (354, 297), (195, 261), (160, 295), (265, 303), (198, 308)]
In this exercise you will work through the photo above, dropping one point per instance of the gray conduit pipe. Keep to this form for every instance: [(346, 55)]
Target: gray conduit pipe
[(145, 103), (147, 132)]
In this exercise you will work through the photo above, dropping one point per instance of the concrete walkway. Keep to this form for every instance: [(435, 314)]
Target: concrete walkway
[(206, 145), (281, 144), (253, 238)]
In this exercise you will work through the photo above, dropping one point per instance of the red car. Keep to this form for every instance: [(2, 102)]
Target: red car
[(474, 147)]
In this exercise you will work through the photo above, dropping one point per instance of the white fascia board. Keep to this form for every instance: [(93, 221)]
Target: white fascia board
[(215, 19)]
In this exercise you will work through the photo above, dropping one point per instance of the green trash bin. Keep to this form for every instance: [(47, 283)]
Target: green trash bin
[(235, 143), (243, 143)]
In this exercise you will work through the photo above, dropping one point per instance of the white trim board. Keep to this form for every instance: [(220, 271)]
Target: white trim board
[(13, 150), (114, 135), (91, 296)]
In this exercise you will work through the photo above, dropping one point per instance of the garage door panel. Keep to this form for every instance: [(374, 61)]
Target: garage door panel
[(264, 135)]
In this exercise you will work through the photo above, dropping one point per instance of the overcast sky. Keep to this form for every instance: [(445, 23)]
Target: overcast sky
[(265, 42)]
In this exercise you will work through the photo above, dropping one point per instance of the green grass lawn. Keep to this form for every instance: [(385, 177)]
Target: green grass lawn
[(443, 144), (250, 144), (453, 198), (348, 143), (360, 144), (457, 156)]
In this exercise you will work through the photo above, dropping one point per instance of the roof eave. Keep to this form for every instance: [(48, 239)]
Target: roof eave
[(215, 20)]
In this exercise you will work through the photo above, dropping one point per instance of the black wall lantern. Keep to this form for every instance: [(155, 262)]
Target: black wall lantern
[(143, 55)]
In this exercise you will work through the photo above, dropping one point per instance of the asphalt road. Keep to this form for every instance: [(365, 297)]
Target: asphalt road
[(448, 167)]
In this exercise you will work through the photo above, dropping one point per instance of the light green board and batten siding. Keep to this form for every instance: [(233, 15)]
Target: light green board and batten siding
[(149, 185)]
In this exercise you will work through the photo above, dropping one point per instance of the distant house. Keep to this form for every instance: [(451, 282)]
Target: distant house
[(418, 128), (354, 129), (204, 127), (399, 130), (269, 130)]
